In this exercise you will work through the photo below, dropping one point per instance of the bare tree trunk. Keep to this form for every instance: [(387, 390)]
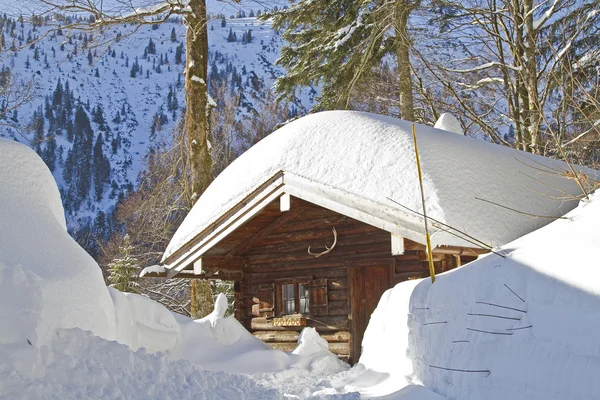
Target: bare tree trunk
[(197, 126), (531, 79), (402, 11), (197, 112)]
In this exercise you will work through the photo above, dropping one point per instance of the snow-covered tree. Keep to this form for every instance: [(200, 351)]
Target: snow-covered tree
[(338, 43), (124, 269), (515, 64)]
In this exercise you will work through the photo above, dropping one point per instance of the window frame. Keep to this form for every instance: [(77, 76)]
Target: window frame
[(279, 300)]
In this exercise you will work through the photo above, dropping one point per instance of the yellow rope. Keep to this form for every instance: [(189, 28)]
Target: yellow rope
[(429, 254)]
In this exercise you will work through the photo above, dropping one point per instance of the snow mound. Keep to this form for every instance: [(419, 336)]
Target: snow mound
[(221, 343), (47, 280), (142, 322), (308, 375), (448, 122), (368, 159), (78, 365), (310, 342), (519, 327)]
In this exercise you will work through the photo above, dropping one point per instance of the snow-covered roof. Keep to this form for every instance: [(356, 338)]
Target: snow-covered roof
[(346, 160)]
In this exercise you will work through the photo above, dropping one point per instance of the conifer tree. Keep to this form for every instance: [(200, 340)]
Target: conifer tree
[(124, 270), (173, 35), (338, 43), (179, 54)]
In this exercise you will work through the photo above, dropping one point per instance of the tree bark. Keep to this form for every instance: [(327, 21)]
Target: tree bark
[(197, 111), (531, 81), (402, 12), (197, 127)]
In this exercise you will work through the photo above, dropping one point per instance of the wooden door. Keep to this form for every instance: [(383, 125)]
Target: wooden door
[(367, 284)]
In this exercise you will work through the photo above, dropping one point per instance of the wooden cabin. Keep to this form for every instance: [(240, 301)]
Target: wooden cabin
[(313, 234)]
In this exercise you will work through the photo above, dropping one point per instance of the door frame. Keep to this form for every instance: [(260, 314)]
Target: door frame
[(354, 344)]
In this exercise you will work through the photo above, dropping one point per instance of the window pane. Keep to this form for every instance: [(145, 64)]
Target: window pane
[(304, 298), (288, 295)]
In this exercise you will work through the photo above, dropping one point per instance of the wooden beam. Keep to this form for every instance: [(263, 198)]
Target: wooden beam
[(452, 250), (227, 223), (182, 274), (264, 232), (222, 275), (397, 244), (285, 202), (208, 267)]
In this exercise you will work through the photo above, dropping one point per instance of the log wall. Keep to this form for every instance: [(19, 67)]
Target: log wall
[(281, 257)]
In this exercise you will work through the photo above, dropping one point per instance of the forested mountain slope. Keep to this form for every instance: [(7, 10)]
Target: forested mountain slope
[(102, 98)]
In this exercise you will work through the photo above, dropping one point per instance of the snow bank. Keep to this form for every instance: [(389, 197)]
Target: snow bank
[(142, 322), (221, 343), (370, 159), (47, 281), (78, 365), (56, 314), (520, 327)]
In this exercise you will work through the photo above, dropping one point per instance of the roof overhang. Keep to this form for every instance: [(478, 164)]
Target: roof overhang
[(384, 217)]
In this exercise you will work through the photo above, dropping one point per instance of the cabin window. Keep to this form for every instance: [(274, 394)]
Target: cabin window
[(289, 298), (293, 298), (304, 297)]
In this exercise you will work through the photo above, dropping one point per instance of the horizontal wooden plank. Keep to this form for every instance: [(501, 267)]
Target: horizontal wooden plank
[(308, 222), (292, 336), (342, 349), (318, 244), (274, 272), (216, 263), (411, 266), (339, 252), (315, 232), (337, 294), (338, 308)]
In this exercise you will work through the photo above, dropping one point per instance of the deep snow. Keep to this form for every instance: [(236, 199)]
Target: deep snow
[(519, 327), (65, 335), (47, 281), (530, 319)]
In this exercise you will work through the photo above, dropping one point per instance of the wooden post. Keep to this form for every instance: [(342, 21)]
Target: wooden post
[(429, 254)]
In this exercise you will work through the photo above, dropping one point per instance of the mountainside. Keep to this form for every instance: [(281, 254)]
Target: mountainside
[(104, 96)]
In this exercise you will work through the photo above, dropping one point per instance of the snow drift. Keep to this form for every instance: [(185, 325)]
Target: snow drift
[(520, 327), (144, 323), (47, 281), (56, 314), (231, 347), (78, 365)]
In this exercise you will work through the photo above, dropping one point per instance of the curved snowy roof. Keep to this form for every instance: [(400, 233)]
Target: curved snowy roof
[(350, 160)]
